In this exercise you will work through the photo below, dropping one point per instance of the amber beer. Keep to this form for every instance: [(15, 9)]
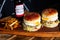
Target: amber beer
[(19, 8)]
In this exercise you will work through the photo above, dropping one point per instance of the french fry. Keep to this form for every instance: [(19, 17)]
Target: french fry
[(10, 23)]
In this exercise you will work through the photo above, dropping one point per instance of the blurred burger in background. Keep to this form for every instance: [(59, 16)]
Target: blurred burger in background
[(32, 21), (50, 18)]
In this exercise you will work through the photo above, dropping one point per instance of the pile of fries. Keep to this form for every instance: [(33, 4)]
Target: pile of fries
[(9, 22)]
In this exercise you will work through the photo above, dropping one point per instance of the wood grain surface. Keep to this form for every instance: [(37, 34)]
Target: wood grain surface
[(40, 33)]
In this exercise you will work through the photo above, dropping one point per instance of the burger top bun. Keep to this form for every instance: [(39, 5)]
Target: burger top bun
[(49, 14), (32, 19), (32, 16)]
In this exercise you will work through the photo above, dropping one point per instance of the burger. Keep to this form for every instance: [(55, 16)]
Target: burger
[(50, 18), (32, 21)]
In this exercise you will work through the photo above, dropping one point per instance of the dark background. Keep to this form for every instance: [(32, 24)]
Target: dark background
[(8, 8), (34, 5)]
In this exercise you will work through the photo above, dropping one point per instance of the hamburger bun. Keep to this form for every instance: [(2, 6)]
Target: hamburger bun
[(31, 28), (50, 14)]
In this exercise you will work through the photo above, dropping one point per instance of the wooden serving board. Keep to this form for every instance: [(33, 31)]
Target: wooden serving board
[(43, 32)]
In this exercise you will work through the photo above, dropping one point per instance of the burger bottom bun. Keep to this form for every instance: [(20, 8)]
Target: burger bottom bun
[(53, 25), (29, 28)]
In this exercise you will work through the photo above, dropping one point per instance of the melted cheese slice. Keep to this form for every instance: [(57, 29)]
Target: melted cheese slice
[(44, 18), (37, 23)]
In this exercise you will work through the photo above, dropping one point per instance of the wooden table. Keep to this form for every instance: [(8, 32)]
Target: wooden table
[(41, 33)]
